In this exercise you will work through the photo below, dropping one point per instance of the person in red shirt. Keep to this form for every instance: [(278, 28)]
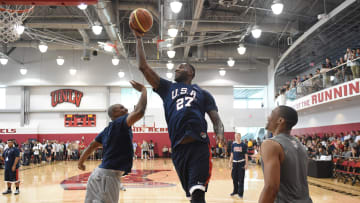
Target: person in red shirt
[(82, 146)]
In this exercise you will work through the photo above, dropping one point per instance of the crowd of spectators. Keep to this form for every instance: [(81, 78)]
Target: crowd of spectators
[(346, 69), (33, 151), (345, 144)]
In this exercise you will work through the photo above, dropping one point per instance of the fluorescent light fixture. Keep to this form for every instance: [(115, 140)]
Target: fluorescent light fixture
[(222, 72), (82, 6), (172, 32), (256, 32), (115, 60), (72, 71), (277, 7), (231, 62), (169, 75), (241, 49), (23, 71), (97, 28), (4, 60), (19, 28), (43, 47), (121, 74), (170, 65), (176, 6), (60, 60), (171, 53), (108, 48)]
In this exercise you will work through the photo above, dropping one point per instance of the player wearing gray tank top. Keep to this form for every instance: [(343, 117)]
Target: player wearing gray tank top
[(284, 161)]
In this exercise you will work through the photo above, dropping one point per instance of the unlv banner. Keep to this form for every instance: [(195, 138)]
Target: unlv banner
[(66, 95), (338, 92)]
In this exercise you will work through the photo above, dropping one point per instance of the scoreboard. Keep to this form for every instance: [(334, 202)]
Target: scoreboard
[(80, 120)]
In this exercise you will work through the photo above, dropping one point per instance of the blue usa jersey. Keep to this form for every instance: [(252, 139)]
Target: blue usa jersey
[(185, 107)]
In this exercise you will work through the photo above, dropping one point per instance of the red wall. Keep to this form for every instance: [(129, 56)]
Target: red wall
[(160, 139), (327, 129)]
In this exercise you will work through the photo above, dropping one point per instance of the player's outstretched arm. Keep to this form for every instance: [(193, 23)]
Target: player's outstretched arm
[(151, 76), (218, 125), (139, 110), (89, 150), (270, 154)]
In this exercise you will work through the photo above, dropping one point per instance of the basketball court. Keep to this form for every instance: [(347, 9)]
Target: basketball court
[(63, 63), (45, 183)]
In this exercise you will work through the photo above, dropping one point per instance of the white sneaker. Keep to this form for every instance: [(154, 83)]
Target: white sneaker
[(17, 192)]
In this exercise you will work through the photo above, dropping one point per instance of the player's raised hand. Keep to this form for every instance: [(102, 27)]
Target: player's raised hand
[(81, 166), (138, 86), (135, 32)]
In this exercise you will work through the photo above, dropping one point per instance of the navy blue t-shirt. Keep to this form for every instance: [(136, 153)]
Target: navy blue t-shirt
[(239, 151), (9, 156), (185, 107), (116, 139)]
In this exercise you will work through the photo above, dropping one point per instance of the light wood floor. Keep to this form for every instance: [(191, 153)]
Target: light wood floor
[(42, 184)]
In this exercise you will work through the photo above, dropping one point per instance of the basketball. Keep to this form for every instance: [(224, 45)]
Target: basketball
[(141, 20)]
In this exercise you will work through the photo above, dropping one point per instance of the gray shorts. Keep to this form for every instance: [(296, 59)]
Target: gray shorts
[(103, 186)]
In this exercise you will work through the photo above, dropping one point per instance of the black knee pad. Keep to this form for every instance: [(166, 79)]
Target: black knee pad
[(198, 196)]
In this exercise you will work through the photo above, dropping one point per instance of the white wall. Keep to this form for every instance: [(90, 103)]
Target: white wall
[(342, 112), (45, 120)]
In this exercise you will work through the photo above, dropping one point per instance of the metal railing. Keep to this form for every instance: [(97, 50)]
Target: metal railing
[(326, 78)]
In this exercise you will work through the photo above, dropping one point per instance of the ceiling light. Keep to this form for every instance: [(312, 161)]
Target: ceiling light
[(241, 49), (169, 75), (108, 48), (60, 60), (256, 32), (231, 62), (4, 60), (97, 28), (43, 47), (23, 71), (82, 6), (19, 28), (277, 7), (121, 74), (170, 65), (222, 72), (171, 53), (115, 60), (172, 32), (176, 6), (72, 71)]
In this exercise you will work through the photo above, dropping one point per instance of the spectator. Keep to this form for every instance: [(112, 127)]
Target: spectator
[(144, 150), (36, 150), (357, 138), (134, 148), (325, 75), (151, 150), (347, 72), (355, 66), (165, 151), (338, 73)]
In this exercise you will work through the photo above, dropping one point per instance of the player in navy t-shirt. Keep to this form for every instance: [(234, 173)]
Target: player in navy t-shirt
[(238, 163), (185, 106), (116, 139), (11, 157)]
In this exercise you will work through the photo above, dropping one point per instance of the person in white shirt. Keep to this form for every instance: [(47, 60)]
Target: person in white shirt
[(57, 151), (36, 149), (357, 138)]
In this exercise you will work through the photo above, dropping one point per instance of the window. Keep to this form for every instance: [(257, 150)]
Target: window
[(129, 98), (249, 97), (250, 132), (2, 98)]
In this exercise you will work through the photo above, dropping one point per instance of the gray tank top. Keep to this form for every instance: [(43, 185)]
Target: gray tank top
[(293, 172)]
